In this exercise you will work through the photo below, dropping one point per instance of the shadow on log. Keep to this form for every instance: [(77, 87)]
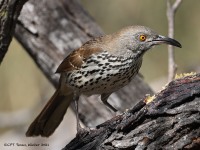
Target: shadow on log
[(168, 120)]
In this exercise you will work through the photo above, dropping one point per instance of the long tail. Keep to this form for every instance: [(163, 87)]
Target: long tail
[(51, 115)]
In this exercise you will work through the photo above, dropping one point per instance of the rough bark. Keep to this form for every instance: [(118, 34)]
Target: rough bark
[(50, 31), (9, 12), (171, 120)]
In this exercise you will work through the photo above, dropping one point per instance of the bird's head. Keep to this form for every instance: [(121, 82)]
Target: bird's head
[(139, 39)]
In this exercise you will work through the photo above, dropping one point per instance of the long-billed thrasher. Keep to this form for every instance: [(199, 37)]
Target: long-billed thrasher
[(100, 66)]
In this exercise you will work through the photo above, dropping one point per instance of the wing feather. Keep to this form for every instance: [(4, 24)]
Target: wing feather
[(75, 59)]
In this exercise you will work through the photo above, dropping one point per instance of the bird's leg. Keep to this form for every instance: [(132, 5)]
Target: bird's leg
[(110, 106), (104, 99), (80, 130), (78, 125)]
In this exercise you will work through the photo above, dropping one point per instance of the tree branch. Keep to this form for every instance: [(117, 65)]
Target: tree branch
[(9, 12), (176, 5), (168, 120), (171, 10)]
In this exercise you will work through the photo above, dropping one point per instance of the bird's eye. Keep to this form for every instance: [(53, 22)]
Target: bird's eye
[(143, 37)]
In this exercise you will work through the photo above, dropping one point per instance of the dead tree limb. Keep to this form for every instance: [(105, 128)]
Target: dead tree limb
[(9, 12), (168, 120), (50, 31)]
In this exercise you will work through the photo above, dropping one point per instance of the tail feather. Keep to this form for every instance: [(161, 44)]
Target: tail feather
[(51, 115)]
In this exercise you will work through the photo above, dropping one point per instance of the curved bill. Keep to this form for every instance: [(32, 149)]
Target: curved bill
[(166, 40)]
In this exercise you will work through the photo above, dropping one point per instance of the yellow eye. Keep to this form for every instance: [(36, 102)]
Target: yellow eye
[(142, 37)]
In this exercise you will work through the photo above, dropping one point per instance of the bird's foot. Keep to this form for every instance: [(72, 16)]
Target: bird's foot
[(118, 113), (82, 131)]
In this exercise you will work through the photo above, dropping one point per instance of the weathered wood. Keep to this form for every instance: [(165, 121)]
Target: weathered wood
[(170, 121), (49, 31), (9, 12)]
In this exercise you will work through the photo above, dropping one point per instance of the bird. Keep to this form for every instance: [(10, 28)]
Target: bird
[(102, 65)]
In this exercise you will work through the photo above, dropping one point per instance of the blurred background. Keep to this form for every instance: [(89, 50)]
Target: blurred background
[(24, 89)]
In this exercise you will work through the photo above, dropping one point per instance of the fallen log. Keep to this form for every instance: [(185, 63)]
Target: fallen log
[(168, 120)]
